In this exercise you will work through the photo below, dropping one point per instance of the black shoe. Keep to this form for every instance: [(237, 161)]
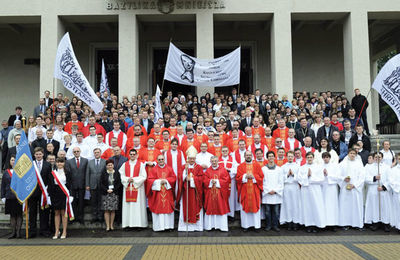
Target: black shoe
[(32, 235), (374, 227), (334, 229), (13, 235), (314, 230), (267, 228), (346, 228), (309, 230), (387, 228), (295, 227), (45, 234), (289, 226), (19, 235), (245, 229), (276, 229)]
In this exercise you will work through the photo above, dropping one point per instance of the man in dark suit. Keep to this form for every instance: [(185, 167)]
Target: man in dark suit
[(118, 162), (360, 136), (231, 119), (77, 167), (93, 173), (17, 116), (56, 144), (34, 200), (39, 141), (48, 101), (40, 109), (146, 122), (105, 123), (247, 121), (326, 130), (305, 131)]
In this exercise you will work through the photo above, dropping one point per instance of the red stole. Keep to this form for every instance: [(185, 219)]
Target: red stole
[(179, 163), (269, 142), (226, 164), (131, 192), (120, 138), (238, 157), (296, 144), (235, 144), (195, 199), (68, 205), (249, 140), (303, 151)]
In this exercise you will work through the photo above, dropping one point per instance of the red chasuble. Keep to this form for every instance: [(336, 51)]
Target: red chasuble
[(161, 202), (131, 192), (249, 193), (147, 155), (216, 200), (195, 195)]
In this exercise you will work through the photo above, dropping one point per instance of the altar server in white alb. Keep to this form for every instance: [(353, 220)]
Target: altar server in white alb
[(378, 204), (394, 178), (133, 176), (311, 178), (330, 191), (352, 176), (291, 204), (272, 192)]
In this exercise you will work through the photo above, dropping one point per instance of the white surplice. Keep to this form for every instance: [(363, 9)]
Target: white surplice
[(311, 194), (234, 204), (331, 193), (291, 201), (372, 200), (394, 179), (351, 201), (134, 214)]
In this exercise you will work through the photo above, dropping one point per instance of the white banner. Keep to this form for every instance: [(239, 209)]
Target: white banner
[(387, 83), (184, 69), (157, 110), (68, 70), (104, 81)]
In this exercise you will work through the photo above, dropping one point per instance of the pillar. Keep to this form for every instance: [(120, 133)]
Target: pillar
[(356, 57), (128, 51), (281, 55), (205, 43)]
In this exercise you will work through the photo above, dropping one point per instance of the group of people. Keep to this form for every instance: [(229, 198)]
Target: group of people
[(302, 162)]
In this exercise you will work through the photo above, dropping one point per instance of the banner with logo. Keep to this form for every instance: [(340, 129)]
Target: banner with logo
[(158, 110), (387, 83), (104, 81), (23, 181), (184, 69), (68, 70)]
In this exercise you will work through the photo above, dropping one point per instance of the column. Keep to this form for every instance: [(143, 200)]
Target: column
[(51, 32), (204, 43), (375, 119), (281, 55), (356, 57), (128, 51)]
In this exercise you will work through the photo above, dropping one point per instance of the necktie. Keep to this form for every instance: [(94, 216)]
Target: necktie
[(48, 141), (77, 163), (39, 165), (97, 162)]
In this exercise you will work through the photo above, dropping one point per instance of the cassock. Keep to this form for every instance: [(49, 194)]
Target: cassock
[(372, 200), (311, 194), (192, 188), (330, 192), (121, 137), (394, 179), (175, 160), (291, 201), (231, 166), (273, 181), (134, 212), (161, 197), (204, 158), (351, 200), (249, 194), (216, 196)]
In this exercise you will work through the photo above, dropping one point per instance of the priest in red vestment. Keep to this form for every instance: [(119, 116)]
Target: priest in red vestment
[(249, 181), (190, 195), (216, 182), (160, 188), (148, 155)]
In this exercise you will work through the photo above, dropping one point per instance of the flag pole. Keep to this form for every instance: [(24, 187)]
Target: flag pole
[(362, 108), (240, 67), (26, 220), (54, 79), (379, 181), (187, 202)]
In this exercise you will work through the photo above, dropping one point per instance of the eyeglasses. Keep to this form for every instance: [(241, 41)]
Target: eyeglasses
[(76, 151), (161, 159)]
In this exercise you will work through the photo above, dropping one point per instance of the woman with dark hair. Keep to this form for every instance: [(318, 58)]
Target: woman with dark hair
[(61, 201), (325, 147), (12, 206), (110, 182)]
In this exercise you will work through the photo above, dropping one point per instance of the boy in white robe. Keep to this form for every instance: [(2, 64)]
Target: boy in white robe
[(352, 176), (311, 178), (291, 201), (378, 204), (330, 191), (394, 180)]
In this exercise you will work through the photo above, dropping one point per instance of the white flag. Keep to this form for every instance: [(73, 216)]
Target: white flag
[(158, 111), (184, 69), (387, 83), (104, 81), (68, 70)]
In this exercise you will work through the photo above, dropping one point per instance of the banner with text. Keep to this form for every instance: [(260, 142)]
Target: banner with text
[(68, 70), (387, 83), (184, 69)]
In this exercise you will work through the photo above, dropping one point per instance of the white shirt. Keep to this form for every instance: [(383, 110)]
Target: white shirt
[(85, 151)]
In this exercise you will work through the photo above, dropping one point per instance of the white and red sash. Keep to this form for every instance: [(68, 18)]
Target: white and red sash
[(120, 138), (296, 144), (10, 172), (45, 199), (69, 212)]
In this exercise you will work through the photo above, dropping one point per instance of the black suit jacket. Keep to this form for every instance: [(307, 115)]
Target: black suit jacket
[(78, 175), (322, 133), (364, 139), (301, 134), (11, 119), (52, 188), (56, 145), (244, 124), (150, 125), (118, 162), (104, 181), (11, 151), (229, 124), (45, 173)]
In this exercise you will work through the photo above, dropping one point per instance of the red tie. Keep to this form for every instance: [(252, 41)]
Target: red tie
[(77, 163)]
